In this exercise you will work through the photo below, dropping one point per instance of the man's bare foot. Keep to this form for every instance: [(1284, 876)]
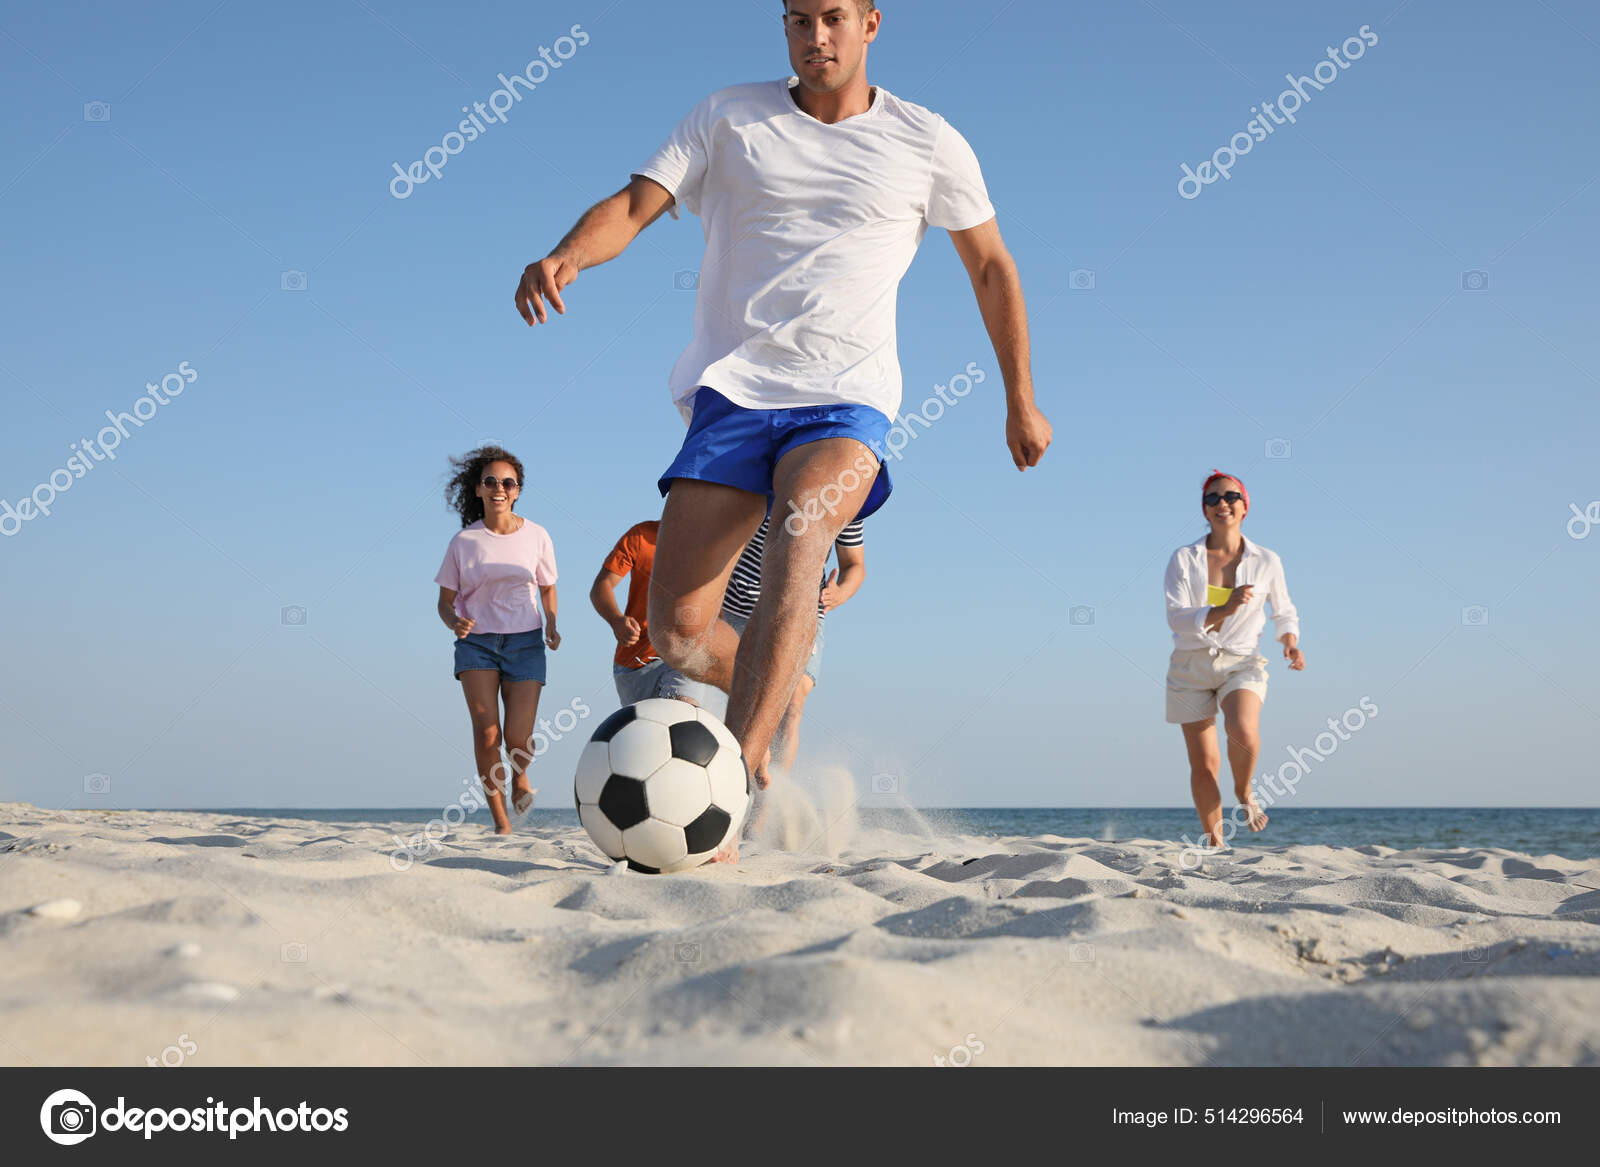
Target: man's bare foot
[(729, 852), (1254, 815)]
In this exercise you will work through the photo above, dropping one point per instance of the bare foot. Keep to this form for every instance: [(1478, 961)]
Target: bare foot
[(522, 796), (497, 810), (728, 854), (1254, 815)]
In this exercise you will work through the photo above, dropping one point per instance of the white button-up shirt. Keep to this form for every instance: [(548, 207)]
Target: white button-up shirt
[(1241, 632)]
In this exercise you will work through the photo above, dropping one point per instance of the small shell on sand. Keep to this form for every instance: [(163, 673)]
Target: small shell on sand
[(208, 991), (57, 910)]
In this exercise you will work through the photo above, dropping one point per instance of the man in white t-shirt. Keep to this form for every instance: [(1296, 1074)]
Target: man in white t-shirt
[(814, 194)]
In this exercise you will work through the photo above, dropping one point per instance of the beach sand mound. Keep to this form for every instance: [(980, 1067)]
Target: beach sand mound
[(214, 939)]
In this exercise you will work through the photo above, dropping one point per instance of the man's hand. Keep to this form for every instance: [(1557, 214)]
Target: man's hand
[(831, 596), (552, 638), (626, 630), (1027, 435), (1292, 653), (543, 281), (462, 626)]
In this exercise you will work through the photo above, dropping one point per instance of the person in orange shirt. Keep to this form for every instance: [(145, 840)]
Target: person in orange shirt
[(637, 669)]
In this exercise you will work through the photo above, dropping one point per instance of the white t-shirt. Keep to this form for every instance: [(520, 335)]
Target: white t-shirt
[(809, 228)]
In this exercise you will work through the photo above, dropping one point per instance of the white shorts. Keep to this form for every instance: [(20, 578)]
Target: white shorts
[(1199, 678)]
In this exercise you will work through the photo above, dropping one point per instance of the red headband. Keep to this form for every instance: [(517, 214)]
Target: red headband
[(1216, 474)]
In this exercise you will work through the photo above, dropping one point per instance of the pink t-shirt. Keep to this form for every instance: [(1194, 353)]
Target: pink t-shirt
[(496, 577)]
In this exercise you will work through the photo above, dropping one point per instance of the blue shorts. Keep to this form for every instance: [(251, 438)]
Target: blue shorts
[(740, 447), (516, 656)]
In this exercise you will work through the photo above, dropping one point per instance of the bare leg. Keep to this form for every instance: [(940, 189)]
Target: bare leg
[(482, 687), (1200, 740), (1241, 720), (704, 527), (522, 709), (812, 506), (789, 729)]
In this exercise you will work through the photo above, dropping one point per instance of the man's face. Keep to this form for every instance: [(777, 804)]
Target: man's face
[(828, 41)]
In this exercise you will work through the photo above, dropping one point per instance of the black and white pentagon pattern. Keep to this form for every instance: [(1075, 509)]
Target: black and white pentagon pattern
[(661, 784)]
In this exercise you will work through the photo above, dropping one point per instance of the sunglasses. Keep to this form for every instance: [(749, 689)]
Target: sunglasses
[(1212, 498), (491, 482)]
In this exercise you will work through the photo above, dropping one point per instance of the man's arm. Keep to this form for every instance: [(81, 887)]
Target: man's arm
[(603, 233), (847, 580), (999, 291), (603, 595)]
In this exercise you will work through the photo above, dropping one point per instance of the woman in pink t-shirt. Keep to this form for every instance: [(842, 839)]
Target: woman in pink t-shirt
[(492, 569)]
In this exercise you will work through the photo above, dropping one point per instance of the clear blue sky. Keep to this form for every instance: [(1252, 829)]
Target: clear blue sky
[(1436, 433)]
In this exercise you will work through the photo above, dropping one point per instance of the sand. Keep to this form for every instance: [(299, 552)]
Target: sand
[(208, 939)]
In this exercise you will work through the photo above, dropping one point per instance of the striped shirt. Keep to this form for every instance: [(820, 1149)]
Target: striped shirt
[(744, 588)]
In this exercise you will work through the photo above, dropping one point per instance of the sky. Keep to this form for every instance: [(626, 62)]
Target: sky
[(1382, 319)]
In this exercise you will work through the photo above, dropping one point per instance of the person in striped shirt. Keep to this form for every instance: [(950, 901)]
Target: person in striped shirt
[(744, 589)]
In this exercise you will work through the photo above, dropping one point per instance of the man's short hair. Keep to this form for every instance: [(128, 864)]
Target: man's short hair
[(865, 6)]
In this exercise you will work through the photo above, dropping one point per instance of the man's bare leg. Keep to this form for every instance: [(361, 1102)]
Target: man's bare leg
[(810, 508), (789, 728), (704, 527)]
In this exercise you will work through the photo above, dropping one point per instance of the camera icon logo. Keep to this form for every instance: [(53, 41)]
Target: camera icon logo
[(293, 952), (96, 111), (1475, 956), (97, 784), (1279, 448), (885, 784), (1475, 616), (686, 281), (292, 281), (1082, 954), (1080, 616), (1474, 281), (68, 1117), (688, 954), (294, 616), (1080, 279)]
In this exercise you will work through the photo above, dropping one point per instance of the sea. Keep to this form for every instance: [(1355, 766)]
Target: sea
[(1571, 832)]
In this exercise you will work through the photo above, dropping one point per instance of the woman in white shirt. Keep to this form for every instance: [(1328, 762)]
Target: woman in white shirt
[(1217, 592)]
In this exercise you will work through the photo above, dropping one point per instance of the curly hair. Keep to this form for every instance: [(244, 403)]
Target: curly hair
[(461, 492)]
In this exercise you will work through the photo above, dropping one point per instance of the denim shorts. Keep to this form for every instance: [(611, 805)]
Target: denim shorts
[(739, 447), (516, 656), (813, 662), (656, 679)]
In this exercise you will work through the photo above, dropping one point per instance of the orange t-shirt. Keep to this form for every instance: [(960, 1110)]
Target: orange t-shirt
[(634, 556)]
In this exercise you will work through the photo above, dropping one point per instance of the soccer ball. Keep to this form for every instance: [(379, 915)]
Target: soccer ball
[(663, 785)]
